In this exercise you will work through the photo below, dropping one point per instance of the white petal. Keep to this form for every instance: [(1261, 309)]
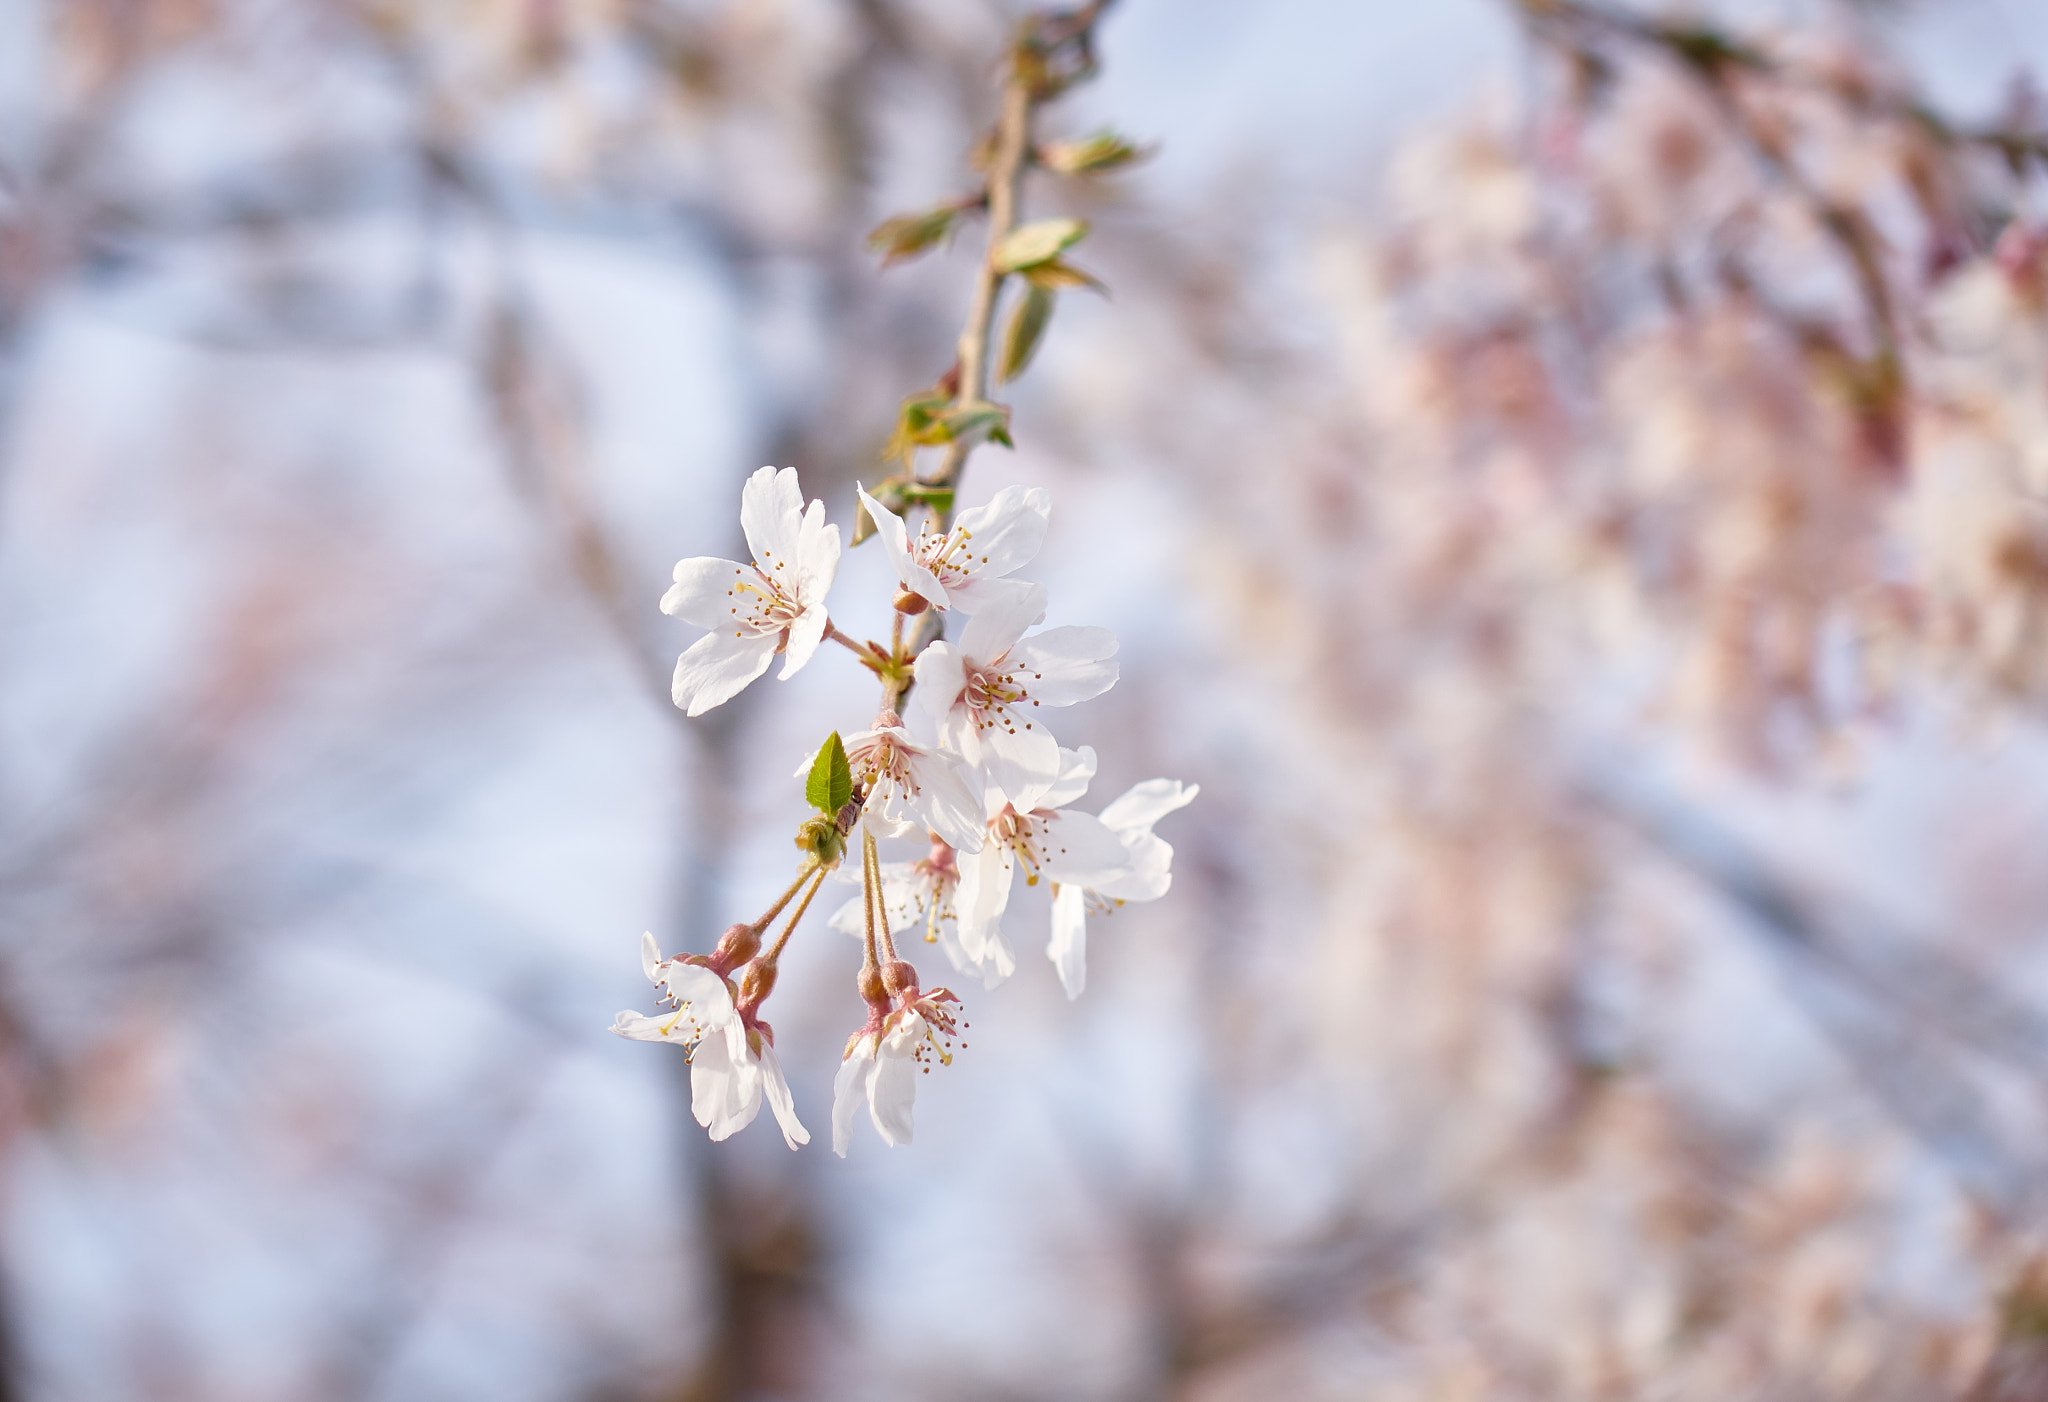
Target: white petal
[(978, 595), (890, 812), (1080, 850), (1151, 874), (892, 1090), (949, 800), (998, 960), (777, 1088), (1023, 763), (995, 629), (709, 999), (641, 1028), (1077, 771), (804, 636), (941, 678), (725, 1090), (849, 1088), (771, 513), (1145, 804), (1068, 948), (895, 538), (1064, 665), (650, 956), (817, 555), (851, 919), (717, 667), (1008, 530), (981, 897), (703, 591)]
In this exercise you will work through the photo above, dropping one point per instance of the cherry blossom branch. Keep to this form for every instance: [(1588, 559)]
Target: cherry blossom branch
[(1025, 87)]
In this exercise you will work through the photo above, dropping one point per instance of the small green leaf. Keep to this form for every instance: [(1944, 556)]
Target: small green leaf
[(1037, 242), (1056, 273), (917, 424), (1026, 329), (970, 423), (907, 235), (1091, 155), (830, 786)]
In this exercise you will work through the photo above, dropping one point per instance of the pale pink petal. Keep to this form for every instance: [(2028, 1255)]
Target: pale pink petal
[(650, 956)]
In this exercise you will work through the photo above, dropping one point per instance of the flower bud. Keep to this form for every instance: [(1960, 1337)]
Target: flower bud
[(735, 947), (869, 983), (757, 981), (910, 603), (821, 837)]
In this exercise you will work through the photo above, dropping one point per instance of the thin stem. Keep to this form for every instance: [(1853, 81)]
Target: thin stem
[(870, 879), (881, 904), (775, 950), (803, 874), (832, 632)]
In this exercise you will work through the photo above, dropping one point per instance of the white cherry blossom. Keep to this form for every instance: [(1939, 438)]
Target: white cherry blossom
[(912, 787), (985, 698), (1045, 841), (963, 567), (733, 1066), (775, 604), (1131, 818), (883, 1062)]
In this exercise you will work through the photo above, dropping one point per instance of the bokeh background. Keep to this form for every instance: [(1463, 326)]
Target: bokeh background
[(1571, 487)]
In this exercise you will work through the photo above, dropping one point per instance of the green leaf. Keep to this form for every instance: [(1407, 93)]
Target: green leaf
[(907, 235), (917, 425), (1026, 329), (1037, 242), (1056, 273), (970, 423), (1091, 155), (830, 787)]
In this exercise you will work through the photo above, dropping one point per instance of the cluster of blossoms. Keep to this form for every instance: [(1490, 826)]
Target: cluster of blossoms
[(968, 765)]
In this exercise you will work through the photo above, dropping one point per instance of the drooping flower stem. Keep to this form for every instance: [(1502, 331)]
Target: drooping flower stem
[(775, 950), (803, 874), (878, 911)]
